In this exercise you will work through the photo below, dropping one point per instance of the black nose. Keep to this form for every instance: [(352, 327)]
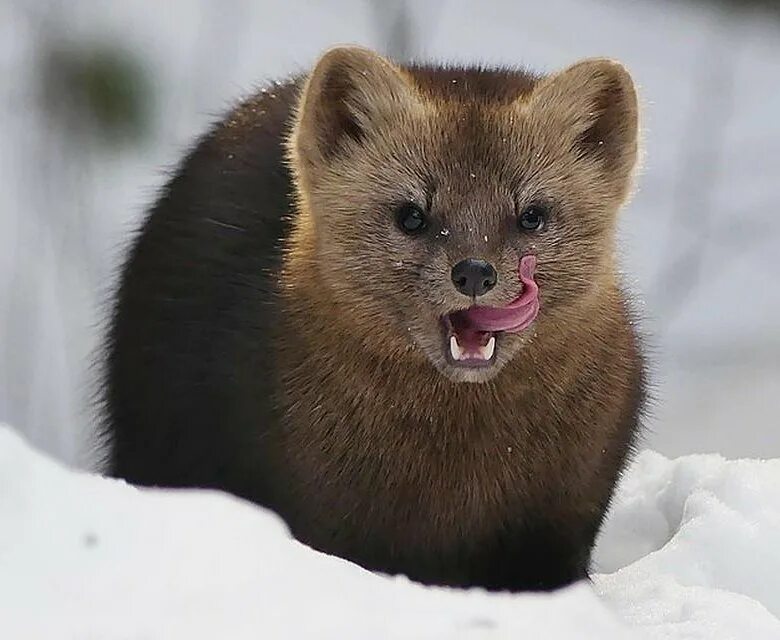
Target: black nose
[(474, 277)]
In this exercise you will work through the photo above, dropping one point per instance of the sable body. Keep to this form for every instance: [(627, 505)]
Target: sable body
[(248, 350)]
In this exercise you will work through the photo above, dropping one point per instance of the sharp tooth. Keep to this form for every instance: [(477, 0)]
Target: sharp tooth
[(455, 350), (487, 351)]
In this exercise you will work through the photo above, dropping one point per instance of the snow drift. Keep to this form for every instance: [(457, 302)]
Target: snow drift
[(691, 550)]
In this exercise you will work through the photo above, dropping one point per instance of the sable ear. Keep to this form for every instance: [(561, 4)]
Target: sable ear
[(595, 101), (351, 91)]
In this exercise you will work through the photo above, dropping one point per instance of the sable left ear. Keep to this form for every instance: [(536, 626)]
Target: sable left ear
[(596, 102), (351, 92)]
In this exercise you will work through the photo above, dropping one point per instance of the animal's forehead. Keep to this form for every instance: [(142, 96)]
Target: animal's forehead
[(449, 129), (468, 147), (479, 187)]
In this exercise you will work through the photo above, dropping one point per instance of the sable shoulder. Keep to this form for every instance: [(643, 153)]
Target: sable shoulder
[(267, 111)]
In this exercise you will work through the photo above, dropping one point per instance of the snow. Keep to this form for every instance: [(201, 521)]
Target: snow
[(689, 551), (691, 547), (88, 557)]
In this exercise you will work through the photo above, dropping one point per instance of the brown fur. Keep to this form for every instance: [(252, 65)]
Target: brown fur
[(412, 459), (377, 449)]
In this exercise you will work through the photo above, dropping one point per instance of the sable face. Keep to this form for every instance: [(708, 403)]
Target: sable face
[(454, 223)]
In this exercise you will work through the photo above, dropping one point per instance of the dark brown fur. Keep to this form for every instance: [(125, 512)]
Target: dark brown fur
[(298, 361)]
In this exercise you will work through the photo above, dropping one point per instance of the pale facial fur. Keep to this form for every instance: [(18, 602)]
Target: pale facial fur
[(371, 136)]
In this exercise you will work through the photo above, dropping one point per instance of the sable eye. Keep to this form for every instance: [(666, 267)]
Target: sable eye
[(532, 218), (411, 219)]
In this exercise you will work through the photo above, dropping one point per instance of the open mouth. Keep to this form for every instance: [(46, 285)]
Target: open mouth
[(467, 345), (472, 334)]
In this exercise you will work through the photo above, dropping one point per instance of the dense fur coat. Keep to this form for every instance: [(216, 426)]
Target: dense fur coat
[(276, 334)]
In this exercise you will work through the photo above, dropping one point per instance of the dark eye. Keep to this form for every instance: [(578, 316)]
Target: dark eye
[(411, 219), (532, 218)]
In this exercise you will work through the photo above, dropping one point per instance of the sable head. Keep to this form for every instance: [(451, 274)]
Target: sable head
[(454, 210)]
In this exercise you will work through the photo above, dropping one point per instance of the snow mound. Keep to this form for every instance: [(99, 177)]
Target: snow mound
[(690, 550), (88, 557)]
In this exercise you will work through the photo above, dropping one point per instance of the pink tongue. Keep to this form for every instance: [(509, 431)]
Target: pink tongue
[(514, 317)]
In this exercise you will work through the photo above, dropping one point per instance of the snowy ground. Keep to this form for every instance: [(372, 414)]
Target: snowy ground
[(690, 551)]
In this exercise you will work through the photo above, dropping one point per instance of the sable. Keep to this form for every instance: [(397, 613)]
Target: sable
[(381, 300)]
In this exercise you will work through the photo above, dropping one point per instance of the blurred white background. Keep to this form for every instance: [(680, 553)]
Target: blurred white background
[(100, 98)]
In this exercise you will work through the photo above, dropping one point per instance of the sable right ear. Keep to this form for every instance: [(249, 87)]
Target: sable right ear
[(594, 102), (350, 91)]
